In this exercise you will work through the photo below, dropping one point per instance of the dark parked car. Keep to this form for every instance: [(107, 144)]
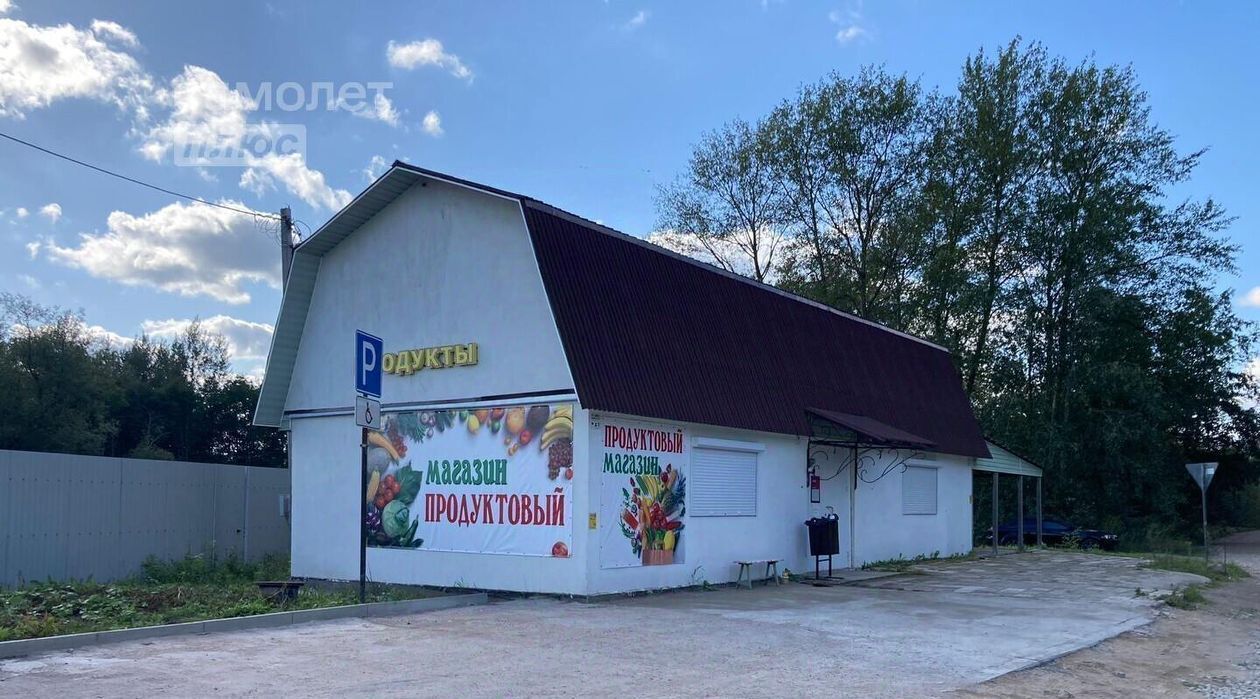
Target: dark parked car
[(1054, 532)]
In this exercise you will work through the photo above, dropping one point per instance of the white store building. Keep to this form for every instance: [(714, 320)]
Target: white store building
[(572, 410)]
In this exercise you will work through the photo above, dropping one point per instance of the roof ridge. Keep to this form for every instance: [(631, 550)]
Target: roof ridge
[(601, 228)]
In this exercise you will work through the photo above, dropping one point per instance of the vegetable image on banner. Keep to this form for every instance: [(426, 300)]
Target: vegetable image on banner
[(643, 495), (481, 480)]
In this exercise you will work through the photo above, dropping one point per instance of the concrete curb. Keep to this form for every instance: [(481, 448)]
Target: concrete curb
[(31, 646)]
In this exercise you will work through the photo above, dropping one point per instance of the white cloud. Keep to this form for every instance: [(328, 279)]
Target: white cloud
[(208, 112), (638, 20), (40, 65), (427, 52), (30, 281), (375, 168), (112, 30), (188, 249), (307, 184), (726, 253), (849, 33), (851, 25), (93, 333), (1253, 370), (32, 249), (432, 124), (5, 6), (381, 110), (51, 211), (1251, 298), (22, 212), (246, 340), (205, 112), (106, 337)]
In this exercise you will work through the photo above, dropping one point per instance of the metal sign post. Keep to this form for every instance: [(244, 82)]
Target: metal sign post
[(1202, 474), (368, 350)]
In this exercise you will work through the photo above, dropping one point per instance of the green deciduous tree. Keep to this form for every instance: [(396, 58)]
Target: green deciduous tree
[(64, 390), (1027, 222)]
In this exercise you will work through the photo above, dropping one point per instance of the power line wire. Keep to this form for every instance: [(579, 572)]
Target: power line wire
[(133, 180)]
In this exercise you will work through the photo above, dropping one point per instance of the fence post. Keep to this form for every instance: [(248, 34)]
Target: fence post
[(245, 515), (1019, 509), (995, 513)]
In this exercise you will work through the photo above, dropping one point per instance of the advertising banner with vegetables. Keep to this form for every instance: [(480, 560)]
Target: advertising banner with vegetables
[(643, 495), (481, 480)]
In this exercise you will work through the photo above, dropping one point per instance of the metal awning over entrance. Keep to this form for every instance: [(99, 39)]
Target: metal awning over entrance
[(1004, 461), (848, 428)]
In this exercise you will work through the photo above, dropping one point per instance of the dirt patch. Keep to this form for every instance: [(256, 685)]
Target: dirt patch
[(1211, 651)]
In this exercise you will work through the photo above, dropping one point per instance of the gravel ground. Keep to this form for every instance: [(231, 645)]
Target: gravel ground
[(949, 625), (1213, 651)]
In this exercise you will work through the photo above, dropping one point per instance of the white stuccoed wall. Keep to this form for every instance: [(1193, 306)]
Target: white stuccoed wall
[(883, 532), (715, 543), (444, 265), (440, 265)]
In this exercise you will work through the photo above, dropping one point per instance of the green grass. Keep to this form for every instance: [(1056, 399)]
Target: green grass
[(1189, 597), (902, 565), (890, 565), (194, 588), (1215, 572)]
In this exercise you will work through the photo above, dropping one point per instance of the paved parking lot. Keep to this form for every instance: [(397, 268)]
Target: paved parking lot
[(949, 625)]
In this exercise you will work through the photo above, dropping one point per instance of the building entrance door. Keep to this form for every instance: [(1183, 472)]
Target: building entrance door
[(834, 473)]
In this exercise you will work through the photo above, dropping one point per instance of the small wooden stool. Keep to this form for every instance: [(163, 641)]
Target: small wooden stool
[(745, 571)]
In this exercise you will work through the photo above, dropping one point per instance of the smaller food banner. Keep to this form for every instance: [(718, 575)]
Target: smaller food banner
[(643, 495), (481, 480)]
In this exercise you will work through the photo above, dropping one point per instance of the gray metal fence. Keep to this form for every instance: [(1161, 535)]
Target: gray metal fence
[(64, 516)]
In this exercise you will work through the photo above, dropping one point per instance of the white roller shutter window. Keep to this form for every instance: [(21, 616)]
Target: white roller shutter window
[(918, 491), (723, 483)]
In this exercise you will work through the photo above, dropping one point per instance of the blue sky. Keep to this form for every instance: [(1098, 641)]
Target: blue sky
[(585, 105)]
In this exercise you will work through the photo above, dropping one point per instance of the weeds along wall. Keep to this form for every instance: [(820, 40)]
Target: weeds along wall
[(884, 530)]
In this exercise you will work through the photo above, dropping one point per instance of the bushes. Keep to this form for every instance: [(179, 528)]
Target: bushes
[(1153, 534), (1241, 506)]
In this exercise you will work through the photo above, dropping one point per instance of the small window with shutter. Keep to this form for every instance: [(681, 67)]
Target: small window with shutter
[(918, 490), (723, 483)]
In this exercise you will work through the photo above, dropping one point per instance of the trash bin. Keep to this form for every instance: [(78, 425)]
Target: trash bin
[(824, 541), (824, 535)]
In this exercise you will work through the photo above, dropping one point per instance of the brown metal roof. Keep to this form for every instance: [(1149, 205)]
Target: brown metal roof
[(651, 333)]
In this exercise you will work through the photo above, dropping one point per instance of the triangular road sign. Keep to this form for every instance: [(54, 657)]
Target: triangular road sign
[(1202, 473)]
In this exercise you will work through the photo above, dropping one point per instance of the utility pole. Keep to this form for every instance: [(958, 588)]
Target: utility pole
[(286, 246)]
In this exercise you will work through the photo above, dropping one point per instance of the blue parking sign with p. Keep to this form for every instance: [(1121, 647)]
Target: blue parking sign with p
[(368, 351)]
